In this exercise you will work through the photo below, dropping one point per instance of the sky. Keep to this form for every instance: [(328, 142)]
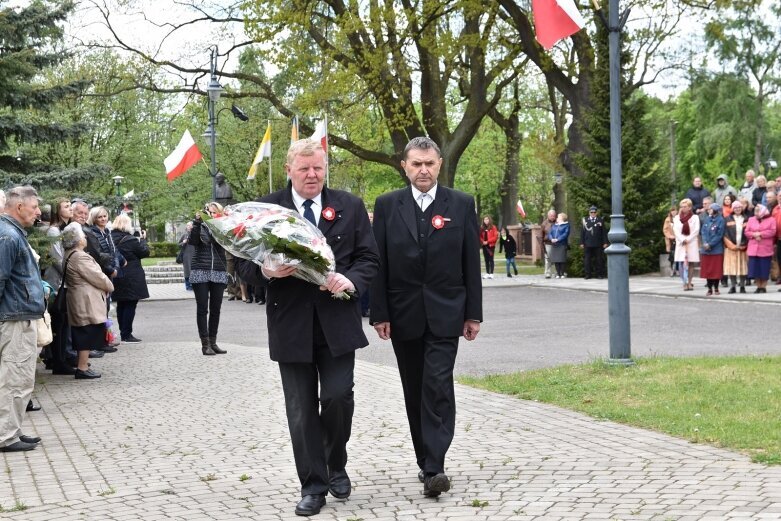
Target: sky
[(192, 45)]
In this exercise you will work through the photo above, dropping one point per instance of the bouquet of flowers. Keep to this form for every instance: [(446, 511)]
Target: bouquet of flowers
[(270, 235)]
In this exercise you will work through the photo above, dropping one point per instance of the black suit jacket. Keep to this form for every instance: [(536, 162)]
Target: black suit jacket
[(440, 289), (291, 303)]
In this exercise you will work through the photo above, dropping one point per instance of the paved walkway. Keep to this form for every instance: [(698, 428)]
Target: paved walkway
[(170, 434)]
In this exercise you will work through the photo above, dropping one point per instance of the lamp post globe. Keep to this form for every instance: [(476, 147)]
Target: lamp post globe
[(118, 183)]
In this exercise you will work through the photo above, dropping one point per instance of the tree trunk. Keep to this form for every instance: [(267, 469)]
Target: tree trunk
[(509, 189)]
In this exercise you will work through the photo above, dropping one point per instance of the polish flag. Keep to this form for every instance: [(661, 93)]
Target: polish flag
[(321, 134), (519, 207), (185, 155), (555, 20)]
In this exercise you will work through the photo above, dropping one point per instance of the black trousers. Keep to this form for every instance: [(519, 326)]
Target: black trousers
[(126, 313), (208, 302), (58, 349), (319, 427), (488, 257), (426, 370), (593, 261)]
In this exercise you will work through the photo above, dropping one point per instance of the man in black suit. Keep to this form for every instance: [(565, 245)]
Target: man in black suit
[(313, 335), (593, 241), (427, 294)]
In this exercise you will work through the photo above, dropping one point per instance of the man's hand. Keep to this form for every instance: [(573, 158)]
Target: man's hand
[(337, 282), (471, 329), (281, 272), (383, 330)]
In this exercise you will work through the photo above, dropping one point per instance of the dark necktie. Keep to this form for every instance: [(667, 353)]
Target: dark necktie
[(309, 215)]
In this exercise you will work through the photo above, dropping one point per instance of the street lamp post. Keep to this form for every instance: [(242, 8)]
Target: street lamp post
[(618, 251), (214, 89), (118, 183)]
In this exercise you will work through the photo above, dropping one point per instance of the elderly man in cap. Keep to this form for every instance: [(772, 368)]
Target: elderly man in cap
[(593, 241)]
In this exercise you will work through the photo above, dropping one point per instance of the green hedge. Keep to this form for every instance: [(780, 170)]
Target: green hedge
[(163, 249)]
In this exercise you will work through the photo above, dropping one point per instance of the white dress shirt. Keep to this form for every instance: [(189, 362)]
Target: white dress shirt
[(427, 200), (317, 206)]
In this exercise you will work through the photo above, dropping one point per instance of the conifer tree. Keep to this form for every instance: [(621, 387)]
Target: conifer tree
[(645, 188), (29, 37)]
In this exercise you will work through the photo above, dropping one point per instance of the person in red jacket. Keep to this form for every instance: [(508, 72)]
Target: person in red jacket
[(488, 237)]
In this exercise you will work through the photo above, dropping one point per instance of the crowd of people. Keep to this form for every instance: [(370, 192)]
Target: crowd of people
[(732, 235), (89, 264)]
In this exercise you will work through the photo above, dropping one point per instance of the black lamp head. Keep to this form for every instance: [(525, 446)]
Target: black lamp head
[(238, 113)]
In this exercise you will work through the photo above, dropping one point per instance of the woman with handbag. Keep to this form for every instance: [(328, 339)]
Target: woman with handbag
[(87, 292), (98, 221), (131, 287), (209, 278), (63, 357)]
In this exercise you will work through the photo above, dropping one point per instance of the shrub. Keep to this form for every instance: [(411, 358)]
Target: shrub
[(163, 249)]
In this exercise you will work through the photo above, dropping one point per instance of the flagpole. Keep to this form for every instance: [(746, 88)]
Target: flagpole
[(327, 170), (270, 185)]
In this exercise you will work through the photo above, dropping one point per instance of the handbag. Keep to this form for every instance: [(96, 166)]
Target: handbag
[(61, 299), (44, 327), (180, 256), (118, 263)]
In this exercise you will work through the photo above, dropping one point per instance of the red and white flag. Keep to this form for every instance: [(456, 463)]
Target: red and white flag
[(555, 20), (519, 207), (321, 134), (185, 155)]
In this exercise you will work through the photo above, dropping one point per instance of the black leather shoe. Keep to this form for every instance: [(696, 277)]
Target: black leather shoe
[(339, 484), (32, 407), (108, 349), (310, 505), (19, 446), (421, 476), (89, 374), (70, 371), (434, 485), (96, 354), (30, 439)]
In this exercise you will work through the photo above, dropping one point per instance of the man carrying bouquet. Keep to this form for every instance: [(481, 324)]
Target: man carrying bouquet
[(312, 334), (426, 295)]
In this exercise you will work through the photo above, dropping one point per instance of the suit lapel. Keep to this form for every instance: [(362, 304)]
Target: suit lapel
[(287, 199), (439, 207), (334, 202), (406, 208)]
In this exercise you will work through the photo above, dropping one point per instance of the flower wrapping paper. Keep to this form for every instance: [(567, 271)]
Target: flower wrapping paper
[(272, 236)]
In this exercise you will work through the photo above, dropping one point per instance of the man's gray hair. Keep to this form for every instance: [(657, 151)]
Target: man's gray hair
[(302, 147), (80, 203), (2, 199), (72, 235), (422, 143), (19, 194)]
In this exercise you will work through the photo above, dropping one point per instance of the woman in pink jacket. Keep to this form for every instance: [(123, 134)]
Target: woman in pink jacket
[(761, 233)]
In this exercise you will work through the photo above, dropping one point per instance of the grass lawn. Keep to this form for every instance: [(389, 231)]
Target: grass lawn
[(730, 402), (151, 261), (500, 269)]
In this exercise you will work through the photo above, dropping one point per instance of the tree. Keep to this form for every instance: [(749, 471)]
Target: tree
[(750, 42), (413, 62), (645, 186), (715, 129), (28, 47), (569, 70)]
